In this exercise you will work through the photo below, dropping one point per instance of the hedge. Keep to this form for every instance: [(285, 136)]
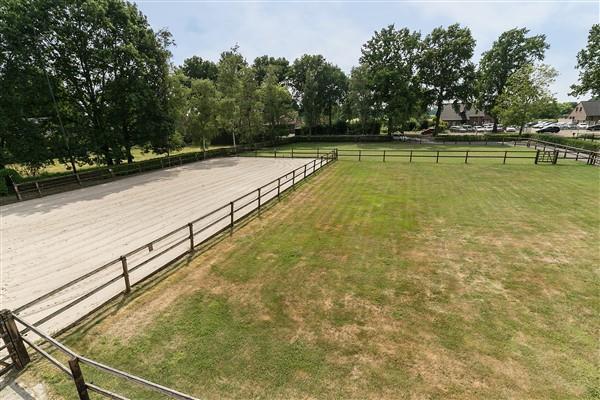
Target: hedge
[(566, 141), (7, 174), (479, 138)]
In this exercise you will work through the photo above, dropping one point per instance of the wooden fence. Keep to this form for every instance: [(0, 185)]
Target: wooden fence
[(43, 187), (12, 328), (408, 155), (91, 291)]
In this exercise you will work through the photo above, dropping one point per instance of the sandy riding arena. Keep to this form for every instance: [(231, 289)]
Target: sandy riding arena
[(50, 241)]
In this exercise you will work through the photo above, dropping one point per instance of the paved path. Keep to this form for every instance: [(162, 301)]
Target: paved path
[(49, 241)]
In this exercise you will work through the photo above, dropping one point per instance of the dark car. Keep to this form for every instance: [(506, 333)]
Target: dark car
[(549, 129), (594, 128), (428, 131)]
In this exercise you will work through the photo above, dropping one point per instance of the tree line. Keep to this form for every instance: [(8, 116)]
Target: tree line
[(88, 81)]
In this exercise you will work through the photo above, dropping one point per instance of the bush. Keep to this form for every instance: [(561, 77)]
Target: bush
[(566, 141), (6, 176), (341, 128), (478, 138)]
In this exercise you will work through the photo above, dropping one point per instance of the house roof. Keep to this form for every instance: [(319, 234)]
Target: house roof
[(591, 107), (449, 114)]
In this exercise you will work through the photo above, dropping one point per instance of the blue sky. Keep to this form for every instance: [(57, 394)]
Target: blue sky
[(338, 29)]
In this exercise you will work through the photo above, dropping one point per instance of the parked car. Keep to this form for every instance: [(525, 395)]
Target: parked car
[(428, 131), (582, 125), (549, 129), (468, 128), (510, 129), (594, 128), (479, 129), (456, 128)]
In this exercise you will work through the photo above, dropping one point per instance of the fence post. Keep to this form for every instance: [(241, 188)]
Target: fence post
[(231, 216), (125, 274), (437, 157), (275, 153), (576, 156), (410, 159), (258, 190), (314, 166), (384, 156), (359, 155), (279, 188), (78, 379), (292, 152), (191, 228), (466, 156), (537, 156), (12, 339), (504, 161), (555, 157), (16, 187), (293, 178), (304, 171)]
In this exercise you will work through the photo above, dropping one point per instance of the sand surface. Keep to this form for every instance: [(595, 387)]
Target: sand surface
[(49, 241)]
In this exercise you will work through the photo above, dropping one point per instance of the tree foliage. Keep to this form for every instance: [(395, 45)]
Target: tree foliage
[(446, 68), (588, 63), (526, 95), (391, 59), (511, 51)]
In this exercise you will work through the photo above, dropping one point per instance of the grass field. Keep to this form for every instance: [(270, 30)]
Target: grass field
[(138, 154), (379, 281)]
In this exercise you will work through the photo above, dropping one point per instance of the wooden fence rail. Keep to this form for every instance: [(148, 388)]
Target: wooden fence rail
[(141, 263), (46, 186)]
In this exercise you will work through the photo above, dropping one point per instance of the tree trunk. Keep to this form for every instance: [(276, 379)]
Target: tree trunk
[(129, 155), (438, 114), (495, 129), (73, 165), (521, 129)]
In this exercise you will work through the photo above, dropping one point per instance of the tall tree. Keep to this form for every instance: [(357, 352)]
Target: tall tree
[(229, 85), (588, 63), (276, 101), (279, 66), (526, 95), (307, 87), (197, 68), (391, 59), (251, 122), (360, 96), (201, 111), (334, 89), (511, 51), (445, 67)]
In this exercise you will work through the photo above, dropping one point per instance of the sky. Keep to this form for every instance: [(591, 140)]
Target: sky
[(338, 29)]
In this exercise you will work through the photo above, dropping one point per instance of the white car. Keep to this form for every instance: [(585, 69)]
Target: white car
[(582, 126), (479, 128), (456, 128), (510, 129)]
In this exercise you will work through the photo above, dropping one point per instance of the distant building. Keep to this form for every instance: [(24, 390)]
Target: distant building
[(471, 116), (586, 111)]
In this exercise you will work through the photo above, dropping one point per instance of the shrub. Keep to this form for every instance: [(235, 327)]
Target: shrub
[(7, 175), (566, 141), (479, 138)]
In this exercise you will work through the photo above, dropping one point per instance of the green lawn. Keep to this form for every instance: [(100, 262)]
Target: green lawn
[(138, 154), (379, 281)]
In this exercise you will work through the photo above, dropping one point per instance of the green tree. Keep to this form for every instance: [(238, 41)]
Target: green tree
[(511, 51), (265, 64), (229, 85), (445, 67), (197, 68), (360, 97), (588, 63), (391, 59), (201, 112), (251, 122), (307, 87), (526, 95), (334, 88), (276, 101)]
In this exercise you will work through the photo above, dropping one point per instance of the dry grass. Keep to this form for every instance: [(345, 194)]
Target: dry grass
[(376, 281)]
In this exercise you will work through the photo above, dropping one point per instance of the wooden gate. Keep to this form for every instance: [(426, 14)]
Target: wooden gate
[(546, 157)]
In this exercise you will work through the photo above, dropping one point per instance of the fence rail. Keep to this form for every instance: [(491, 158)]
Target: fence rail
[(43, 187), (120, 275), (15, 338)]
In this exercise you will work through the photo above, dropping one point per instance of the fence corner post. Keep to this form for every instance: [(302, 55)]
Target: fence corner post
[(191, 228), (537, 156), (231, 212), (125, 274), (78, 379), (12, 339)]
